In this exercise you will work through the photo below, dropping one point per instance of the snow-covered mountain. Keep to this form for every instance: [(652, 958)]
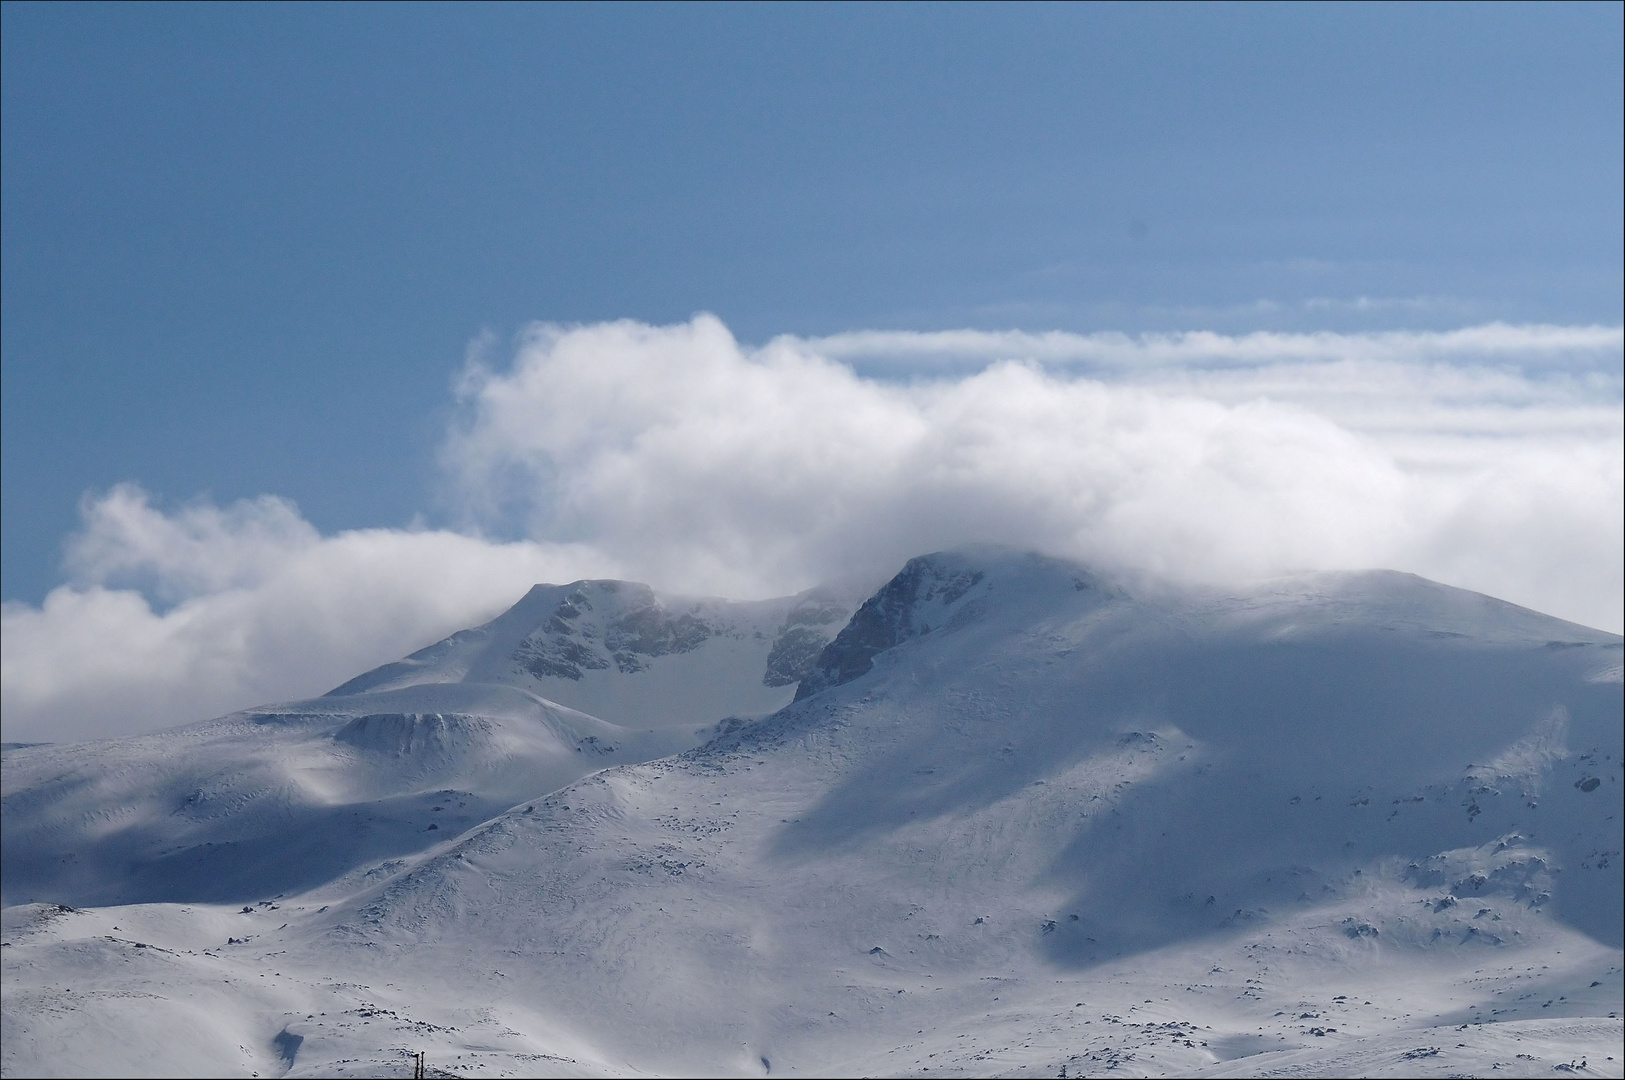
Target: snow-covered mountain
[(570, 680), (1018, 820)]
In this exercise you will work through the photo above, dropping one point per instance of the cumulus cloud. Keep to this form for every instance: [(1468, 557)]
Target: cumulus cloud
[(1489, 457)]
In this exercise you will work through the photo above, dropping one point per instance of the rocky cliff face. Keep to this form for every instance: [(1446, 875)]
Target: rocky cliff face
[(806, 630), (923, 597), (604, 624)]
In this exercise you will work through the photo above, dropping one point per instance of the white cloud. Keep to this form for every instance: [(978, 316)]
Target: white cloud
[(199, 549), (1493, 342), (264, 610), (1489, 458)]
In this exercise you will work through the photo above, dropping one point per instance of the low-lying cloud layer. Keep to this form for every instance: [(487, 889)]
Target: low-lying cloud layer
[(264, 609), (1489, 458)]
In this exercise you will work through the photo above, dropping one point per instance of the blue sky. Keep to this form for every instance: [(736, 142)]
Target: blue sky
[(245, 246)]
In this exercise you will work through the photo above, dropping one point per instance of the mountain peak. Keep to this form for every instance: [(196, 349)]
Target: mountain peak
[(941, 591)]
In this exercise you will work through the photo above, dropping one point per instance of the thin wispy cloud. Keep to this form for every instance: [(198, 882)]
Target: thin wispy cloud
[(1491, 343), (1488, 457)]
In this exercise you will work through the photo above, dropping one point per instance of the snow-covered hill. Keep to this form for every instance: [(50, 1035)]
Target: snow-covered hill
[(1018, 820)]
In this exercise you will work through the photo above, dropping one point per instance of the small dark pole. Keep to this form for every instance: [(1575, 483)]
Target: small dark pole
[(417, 1066)]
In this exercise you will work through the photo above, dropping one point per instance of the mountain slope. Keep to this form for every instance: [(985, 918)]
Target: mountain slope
[(273, 801), (1037, 773)]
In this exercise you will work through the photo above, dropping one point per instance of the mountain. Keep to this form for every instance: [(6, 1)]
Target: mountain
[(571, 679), (1019, 819)]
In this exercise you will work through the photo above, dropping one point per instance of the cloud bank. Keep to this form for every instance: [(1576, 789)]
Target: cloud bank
[(263, 609), (1489, 457)]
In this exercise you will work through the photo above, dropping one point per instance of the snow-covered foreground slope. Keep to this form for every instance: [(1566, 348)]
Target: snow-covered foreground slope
[(1019, 821)]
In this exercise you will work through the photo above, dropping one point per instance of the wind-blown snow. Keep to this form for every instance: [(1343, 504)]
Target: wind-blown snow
[(1023, 818)]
